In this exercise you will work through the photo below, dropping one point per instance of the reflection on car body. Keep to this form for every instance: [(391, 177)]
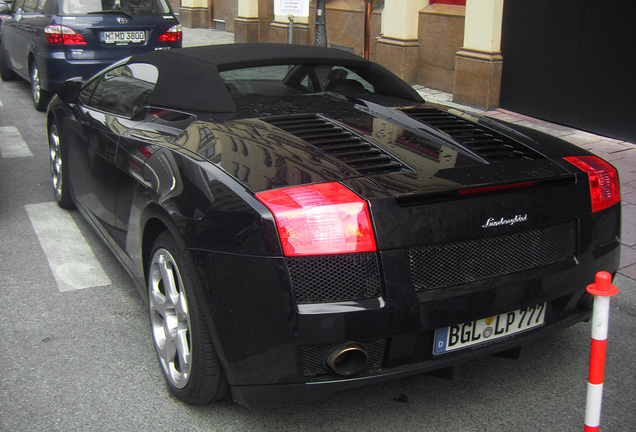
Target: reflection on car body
[(296, 235)]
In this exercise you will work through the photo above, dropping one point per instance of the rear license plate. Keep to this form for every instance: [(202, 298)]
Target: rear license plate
[(487, 329), (124, 36)]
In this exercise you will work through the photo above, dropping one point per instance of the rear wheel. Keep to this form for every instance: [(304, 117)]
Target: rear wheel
[(40, 96), (59, 175), (5, 71), (184, 346)]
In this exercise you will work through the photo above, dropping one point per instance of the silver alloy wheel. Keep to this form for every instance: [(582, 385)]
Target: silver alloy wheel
[(55, 156), (169, 318), (35, 84)]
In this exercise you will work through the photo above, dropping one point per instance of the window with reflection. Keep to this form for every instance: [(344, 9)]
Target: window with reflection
[(123, 90), (130, 7), (285, 80)]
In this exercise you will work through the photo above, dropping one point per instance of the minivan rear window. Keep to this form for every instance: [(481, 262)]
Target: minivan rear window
[(128, 7)]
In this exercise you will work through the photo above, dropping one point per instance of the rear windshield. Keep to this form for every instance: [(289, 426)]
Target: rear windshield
[(289, 80), (128, 7)]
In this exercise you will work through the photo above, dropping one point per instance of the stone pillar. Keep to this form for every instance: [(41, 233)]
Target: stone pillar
[(279, 30), (441, 35), (397, 46), (195, 14), (478, 64), (247, 24)]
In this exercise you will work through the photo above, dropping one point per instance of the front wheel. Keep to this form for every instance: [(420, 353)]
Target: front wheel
[(59, 171), (184, 346), (40, 96)]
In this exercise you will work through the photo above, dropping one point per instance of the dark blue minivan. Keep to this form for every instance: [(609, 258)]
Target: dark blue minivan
[(49, 41)]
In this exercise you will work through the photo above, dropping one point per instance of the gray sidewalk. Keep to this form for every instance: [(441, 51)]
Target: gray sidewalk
[(620, 153), (201, 36)]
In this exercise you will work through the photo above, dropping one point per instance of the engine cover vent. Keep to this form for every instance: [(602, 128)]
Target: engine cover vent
[(350, 148), (486, 142)]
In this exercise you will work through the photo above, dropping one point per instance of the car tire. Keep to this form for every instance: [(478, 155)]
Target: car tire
[(40, 97), (59, 170), (6, 73), (182, 339)]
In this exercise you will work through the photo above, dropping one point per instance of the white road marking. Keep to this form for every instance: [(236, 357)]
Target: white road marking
[(70, 257), (11, 143)]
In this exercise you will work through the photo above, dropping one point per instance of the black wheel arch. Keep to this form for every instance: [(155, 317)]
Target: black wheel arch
[(31, 60), (155, 221)]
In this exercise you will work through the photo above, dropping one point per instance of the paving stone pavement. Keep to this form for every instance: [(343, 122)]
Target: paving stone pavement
[(620, 153)]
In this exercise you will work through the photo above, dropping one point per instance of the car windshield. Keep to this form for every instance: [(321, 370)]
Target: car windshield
[(125, 7)]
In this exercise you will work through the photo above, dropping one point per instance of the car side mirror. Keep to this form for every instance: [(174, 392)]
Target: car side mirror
[(69, 90)]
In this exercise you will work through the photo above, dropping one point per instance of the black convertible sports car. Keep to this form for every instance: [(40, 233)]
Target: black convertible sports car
[(301, 221)]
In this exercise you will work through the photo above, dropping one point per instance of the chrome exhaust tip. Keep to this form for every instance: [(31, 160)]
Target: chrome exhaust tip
[(347, 360)]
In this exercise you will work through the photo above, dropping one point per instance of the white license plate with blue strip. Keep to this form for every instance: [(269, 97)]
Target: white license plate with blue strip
[(471, 333), (124, 37)]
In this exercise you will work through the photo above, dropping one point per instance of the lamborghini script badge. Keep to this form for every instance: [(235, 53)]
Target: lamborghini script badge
[(492, 222)]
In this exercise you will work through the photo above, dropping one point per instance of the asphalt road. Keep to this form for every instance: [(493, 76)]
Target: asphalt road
[(81, 358)]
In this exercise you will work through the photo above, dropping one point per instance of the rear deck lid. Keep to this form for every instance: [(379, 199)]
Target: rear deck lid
[(424, 153)]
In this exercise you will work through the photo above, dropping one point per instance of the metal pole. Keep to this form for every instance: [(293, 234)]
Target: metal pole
[(368, 8), (290, 35), (321, 24)]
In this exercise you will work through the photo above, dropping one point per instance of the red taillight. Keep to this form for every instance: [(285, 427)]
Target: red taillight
[(145, 151), (604, 185), (62, 35), (320, 219), (173, 34)]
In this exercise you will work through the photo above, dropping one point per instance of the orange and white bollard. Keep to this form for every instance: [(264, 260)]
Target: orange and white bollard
[(602, 290)]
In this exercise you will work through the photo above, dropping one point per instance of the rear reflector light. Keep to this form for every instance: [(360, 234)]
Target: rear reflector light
[(173, 34), (62, 35), (496, 188), (604, 185), (320, 219)]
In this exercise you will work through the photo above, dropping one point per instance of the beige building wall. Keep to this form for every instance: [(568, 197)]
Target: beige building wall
[(479, 64), (440, 36), (397, 46), (399, 19), (195, 13), (446, 47)]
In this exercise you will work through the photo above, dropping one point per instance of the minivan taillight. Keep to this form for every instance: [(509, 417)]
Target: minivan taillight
[(173, 34), (603, 178), (320, 219), (56, 34)]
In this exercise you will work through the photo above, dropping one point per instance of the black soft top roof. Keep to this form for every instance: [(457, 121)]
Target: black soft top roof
[(189, 77)]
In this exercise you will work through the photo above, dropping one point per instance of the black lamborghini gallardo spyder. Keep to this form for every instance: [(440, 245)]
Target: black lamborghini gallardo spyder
[(301, 221)]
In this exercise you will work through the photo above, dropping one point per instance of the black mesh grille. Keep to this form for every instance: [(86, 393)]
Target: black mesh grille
[(606, 226), (449, 264), (341, 143), (314, 357), (484, 141), (332, 278)]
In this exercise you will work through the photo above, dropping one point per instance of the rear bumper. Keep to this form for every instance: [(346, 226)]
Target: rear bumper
[(271, 396), (274, 353), (59, 66), (58, 69), (274, 349)]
